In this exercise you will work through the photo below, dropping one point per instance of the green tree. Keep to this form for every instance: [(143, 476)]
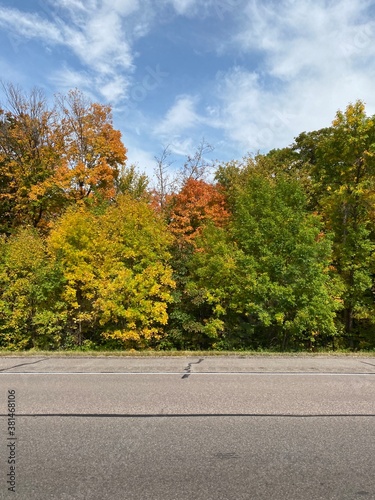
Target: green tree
[(31, 314), (268, 275), (284, 243), (343, 174), (132, 182), (189, 211)]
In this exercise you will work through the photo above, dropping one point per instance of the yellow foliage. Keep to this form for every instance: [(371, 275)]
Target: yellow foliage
[(116, 270)]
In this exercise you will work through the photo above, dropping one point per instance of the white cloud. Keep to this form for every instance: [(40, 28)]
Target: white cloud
[(296, 37), (114, 89), (182, 146), (71, 4), (179, 118), (316, 57), (100, 43), (309, 59), (29, 25), (201, 8), (251, 116), (67, 78), (94, 33), (183, 6), (123, 7)]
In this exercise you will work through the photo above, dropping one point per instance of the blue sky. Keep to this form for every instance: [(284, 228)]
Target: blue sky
[(245, 75)]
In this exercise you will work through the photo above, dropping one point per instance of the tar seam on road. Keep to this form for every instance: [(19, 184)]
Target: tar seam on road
[(188, 415), (22, 364), (188, 368), (367, 363), (188, 374)]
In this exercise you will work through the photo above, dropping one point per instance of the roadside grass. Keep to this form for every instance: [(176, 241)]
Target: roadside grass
[(172, 353)]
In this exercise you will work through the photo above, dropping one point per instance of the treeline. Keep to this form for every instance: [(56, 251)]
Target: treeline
[(276, 252)]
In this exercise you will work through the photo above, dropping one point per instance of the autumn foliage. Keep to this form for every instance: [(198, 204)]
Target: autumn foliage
[(92, 152), (274, 252), (197, 204), (51, 158)]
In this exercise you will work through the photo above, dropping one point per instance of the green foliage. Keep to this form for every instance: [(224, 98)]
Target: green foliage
[(31, 314), (343, 175), (132, 183), (270, 271)]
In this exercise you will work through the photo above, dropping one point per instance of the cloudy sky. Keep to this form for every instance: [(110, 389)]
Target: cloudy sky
[(245, 75)]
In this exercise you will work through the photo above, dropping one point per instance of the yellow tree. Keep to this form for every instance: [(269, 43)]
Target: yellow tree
[(136, 282), (118, 280)]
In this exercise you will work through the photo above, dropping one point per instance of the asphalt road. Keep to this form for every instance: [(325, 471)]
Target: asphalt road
[(220, 428)]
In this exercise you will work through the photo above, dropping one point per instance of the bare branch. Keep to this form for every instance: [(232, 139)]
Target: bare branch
[(164, 182), (197, 166)]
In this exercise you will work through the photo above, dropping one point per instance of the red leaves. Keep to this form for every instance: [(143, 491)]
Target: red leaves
[(197, 204)]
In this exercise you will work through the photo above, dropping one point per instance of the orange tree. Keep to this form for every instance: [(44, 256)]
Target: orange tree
[(29, 156), (92, 152), (53, 157)]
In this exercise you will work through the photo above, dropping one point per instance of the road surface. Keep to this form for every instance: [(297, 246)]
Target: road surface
[(177, 428)]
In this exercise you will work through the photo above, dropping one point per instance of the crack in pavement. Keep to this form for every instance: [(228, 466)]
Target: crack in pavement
[(367, 363), (188, 368), (22, 364)]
